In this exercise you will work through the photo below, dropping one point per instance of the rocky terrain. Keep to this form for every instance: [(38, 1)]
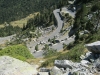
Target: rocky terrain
[(89, 64), (90, 61), (12, 66)]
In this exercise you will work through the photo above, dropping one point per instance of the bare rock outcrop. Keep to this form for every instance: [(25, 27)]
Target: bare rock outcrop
[(12, 66), (94, 47)]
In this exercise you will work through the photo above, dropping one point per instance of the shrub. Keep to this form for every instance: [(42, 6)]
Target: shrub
[(36, 47), (69, 46), (74, 54), (17, 51)]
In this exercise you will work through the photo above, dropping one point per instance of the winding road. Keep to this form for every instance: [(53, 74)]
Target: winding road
[(45, 39), (58, 46)]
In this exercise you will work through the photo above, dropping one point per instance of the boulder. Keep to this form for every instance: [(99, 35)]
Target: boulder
[(44, 70), (85, 63), (94, 47), (82, 57), (43, 73), (63, 63), (12, 66), (56, 71), (97, 64), (88, 54)]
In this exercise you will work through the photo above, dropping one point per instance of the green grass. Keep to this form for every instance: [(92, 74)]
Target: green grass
[(94, 37), (17, 51), (74, 53)]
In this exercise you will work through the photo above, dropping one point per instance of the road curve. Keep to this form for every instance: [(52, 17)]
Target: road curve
[(58, 46), (55, 32)]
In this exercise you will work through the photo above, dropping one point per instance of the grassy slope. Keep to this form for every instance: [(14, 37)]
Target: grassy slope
[(72, 54), (17, 51), (17, 9), (21, 21)]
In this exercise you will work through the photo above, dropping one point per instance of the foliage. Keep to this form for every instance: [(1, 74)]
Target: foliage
[(95, 7), (48, 62), (83, 1), (17, 51), (36, 47), (44, 19), (74, 55), (70, 46), (53, 40), (93, 37), (87, 18), (16, 41), (64, 46), (9, 30), (48, 51), (82, 22), (17, 9)]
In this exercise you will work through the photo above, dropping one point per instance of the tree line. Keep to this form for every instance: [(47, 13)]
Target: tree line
[(9, 30)]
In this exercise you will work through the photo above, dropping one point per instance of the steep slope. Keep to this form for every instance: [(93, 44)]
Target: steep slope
[(12, 66), (17, 9)]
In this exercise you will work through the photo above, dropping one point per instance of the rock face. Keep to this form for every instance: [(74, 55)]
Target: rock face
[(12, 66), (63, 63), (97, 64), (90, 65), (94, 47), (55, 71), (43, 73)]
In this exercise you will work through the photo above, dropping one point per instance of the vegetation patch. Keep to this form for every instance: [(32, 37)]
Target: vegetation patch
[(17, 51), (73, 54)]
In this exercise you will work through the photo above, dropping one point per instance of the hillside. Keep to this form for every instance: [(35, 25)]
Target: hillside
[(87, 25), (17, 9), (87, 21), (61, 34)]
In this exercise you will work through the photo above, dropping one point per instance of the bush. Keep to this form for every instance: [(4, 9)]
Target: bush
[(74, 54), (69, 46), (64, 46), (95, 7), (36, 47), (17, 51), (48, 63)]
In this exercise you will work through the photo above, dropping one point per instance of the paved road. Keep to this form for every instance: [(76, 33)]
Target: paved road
[(38, 54), (4, 39), (58, 46), (45, 39)]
